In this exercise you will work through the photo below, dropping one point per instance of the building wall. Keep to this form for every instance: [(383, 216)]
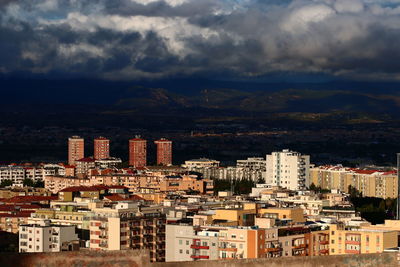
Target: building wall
[(164, 152), (101, 148), (288, 169), (76, 149), (137, 152)]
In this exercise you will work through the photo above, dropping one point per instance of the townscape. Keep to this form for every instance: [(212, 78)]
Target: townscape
[(278, 206)]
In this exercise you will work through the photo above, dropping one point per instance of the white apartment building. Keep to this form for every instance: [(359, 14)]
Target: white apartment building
[(17, 174), (288, 169), (14, 173), (183, 243), (45, 237), (194, 164)]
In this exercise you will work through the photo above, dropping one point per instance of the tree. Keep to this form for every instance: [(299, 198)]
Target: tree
[(6, 182), (313, 187), (354, 193), (28, 182), (39, 183), (261, 180)]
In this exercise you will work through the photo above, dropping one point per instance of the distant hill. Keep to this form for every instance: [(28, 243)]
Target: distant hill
[(196, 98)]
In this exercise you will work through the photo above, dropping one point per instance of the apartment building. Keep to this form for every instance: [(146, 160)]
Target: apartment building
[(10, 222), (184, 243), (288, 169), (189, 243), (14, 173), (45, 237), (6, 193), (158, 183), (310, 204), (123, 227), (101, 148), (372, 183), (137, 152), (83, 166), (293, 214), (17, 174), (353, 240), (164, 152), (194, 164), (66, 216), (76, 149)]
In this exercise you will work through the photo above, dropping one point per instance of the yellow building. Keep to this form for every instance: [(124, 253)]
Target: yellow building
[(66, 216), (294, 214), (360, 240), (240, 217), (157, 198)]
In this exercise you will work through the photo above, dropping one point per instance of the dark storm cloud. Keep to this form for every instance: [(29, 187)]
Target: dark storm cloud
[(128, 39)]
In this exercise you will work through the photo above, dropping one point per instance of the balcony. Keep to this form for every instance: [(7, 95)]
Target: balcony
[(273, 249), (194, 246), (300, 246), (352, 242), (352, 251), (324, 251), (324, 242), (200, 257), (228, 249)]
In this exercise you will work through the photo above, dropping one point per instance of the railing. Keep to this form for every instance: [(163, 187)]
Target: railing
[(324, 251), (199, 257), (300, 246), (352, 242), (194, 246), (274, 249), (228, 249), (352, 251), (324, 242)]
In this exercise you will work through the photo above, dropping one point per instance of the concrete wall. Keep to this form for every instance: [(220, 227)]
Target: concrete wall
[(362, 260), (136, 258), (132, 258)]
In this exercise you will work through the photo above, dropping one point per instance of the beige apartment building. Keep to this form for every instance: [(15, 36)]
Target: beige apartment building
[(346, 240), (190, 243), (372, 183), (45, 237), (123, 227)]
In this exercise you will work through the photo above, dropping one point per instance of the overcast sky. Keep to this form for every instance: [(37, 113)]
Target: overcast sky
[(130, 39)]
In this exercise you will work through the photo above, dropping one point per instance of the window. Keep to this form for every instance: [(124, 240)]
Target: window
[(187, 242), (240, 245), (213, 244), (187, 251), (333, 250), (180, 242), (333, 241), (332, 232), (233, 236), (205, 244), (180, 251)]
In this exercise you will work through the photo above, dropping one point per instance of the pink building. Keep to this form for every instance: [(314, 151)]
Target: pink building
[(101, 148), (164, 152)]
